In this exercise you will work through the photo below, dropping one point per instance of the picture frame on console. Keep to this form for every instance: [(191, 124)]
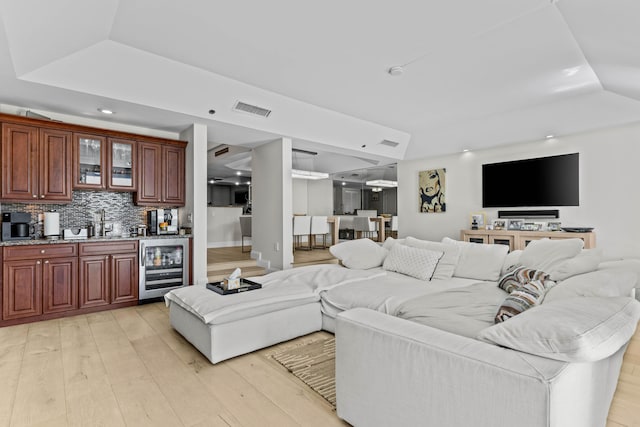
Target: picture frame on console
[(499, 224), (478, 220), (515, 224), (554, 226)]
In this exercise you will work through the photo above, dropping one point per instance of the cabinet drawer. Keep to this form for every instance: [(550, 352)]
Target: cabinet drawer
[(100, 248), (12, 253)]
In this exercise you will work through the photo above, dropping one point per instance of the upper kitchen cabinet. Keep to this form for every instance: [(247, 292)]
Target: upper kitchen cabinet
[(36, 164), (161, 172), (121, 156), (89, 160)]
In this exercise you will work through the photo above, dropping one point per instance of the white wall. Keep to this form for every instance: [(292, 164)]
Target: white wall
[(272, 213), (299, 196), (609, 175), (320, 197)]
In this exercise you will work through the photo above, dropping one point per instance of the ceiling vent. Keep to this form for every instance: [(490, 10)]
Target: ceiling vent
[(389, 143), (251, 109), (225, 150)]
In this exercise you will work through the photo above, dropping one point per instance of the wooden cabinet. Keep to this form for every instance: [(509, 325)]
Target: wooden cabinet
[(36, 164), (39, 280), (122, 161), (108, 273), (520, 239), (149, 173), (89, 161), (161, 172)]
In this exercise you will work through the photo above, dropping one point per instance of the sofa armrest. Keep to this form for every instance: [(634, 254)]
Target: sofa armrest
[(391, 371)]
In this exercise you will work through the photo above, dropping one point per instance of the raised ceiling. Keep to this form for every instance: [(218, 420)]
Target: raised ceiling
[(477, 74)]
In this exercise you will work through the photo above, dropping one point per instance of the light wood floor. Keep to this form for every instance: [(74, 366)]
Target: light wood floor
[(222, 261), (129, 367)]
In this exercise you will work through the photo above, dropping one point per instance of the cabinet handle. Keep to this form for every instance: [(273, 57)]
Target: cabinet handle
[(35, 196), (46, 262), (42, 196), (42, 251), (37, 262)]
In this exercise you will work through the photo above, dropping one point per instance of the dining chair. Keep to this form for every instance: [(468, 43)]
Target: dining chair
[(364, 227), (319, 227), (301, 228), (245, 229)]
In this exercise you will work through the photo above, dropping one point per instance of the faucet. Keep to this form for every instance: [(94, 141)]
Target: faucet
[(103, 232)]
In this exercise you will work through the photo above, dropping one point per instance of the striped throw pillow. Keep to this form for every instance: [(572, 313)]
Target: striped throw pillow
[(520, 276), (523, 298)]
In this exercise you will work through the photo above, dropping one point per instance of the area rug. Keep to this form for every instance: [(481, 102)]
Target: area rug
[(315, 365)]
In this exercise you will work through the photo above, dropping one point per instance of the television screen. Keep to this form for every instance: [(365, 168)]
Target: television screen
[(544, 181), (240, 197)]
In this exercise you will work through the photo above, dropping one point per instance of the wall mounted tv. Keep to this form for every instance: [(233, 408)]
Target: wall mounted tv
[(544, 181)]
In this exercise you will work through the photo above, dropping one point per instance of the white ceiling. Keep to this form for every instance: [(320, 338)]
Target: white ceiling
[(477, 73)]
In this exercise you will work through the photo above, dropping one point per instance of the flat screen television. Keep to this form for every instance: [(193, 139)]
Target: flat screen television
[(543, 181)]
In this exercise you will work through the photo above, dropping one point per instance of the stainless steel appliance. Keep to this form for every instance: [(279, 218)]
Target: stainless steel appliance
[(16, 226), (164, 265), (163, 221)]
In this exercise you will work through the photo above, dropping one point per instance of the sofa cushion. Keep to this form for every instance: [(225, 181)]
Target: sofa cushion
[(447, 264), (585, 262), (359, 254), (390, 242), (605, 283), (511, 261), (520, 276), (523, 298), (414, 262), (580, 329), (478, 261), (546, 254)]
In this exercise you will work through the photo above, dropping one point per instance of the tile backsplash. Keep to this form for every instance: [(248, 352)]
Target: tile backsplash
[(119, 208)]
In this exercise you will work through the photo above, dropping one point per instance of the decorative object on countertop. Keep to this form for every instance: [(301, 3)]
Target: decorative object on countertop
[(77, 233), (52, 225)]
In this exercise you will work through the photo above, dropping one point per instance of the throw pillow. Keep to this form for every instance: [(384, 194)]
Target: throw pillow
[(360, 254), (546, 254), (586, 261), (414, 262), (447, 264), (390, 242), (520, 276), (511, 261), (581, 329), (523, 298), (604, 283), (479, 261)]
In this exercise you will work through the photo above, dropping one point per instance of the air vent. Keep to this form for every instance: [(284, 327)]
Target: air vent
[(225, 150), (389, 143), (251, 109)]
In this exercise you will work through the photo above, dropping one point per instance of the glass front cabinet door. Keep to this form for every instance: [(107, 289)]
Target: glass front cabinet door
[(89, 161), (122, 160)]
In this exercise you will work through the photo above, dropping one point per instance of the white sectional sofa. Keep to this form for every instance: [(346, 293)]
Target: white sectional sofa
[(416, 339)]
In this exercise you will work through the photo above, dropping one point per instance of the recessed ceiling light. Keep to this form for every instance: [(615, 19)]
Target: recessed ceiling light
[(248, 182), (238, 173), (398, 70), (549, 136), (105, 111), (237, 183), (344, 183), (212, 181), (466, 150)]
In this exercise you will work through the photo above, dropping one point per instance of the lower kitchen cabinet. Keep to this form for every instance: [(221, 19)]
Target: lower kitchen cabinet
[(46, 281), (108, 273), (39, 280)]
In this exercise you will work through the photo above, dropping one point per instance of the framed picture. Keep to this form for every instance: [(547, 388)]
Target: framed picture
[(553, 226), (516, 224), (499, 224), (478, 220), (529, 226), (431, 190)]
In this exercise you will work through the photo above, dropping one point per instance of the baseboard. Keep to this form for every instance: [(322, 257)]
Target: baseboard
[(228, 244), (266, 264)]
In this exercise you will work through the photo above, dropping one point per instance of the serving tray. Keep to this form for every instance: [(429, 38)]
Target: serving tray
[(245, 285)]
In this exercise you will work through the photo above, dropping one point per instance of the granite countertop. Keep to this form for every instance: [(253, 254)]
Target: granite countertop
[(90, 239)]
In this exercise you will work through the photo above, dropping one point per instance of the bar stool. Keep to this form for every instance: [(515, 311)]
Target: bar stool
[(301, 227), (319, 227)]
